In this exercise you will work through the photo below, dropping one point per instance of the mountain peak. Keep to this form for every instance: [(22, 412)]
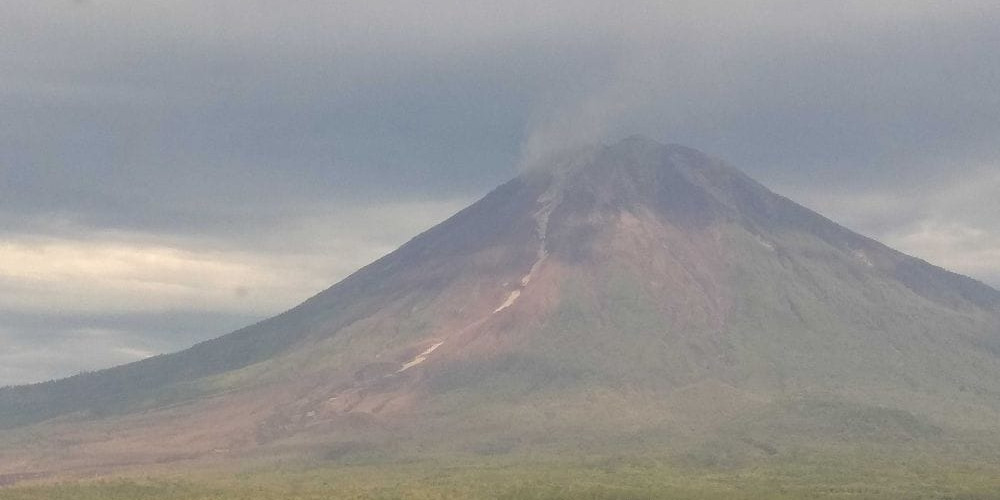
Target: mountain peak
[(652, 274), (637, 141), (637, 171), (632, 148), (638, 157)]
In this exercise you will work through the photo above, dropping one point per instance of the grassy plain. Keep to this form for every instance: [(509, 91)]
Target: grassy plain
[(849, 476)]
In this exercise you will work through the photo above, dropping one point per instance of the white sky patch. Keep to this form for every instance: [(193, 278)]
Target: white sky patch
[(25, 359), (106, 273), (110, 276), (968, 250), (128, 273), (135, 353), (954, 224)]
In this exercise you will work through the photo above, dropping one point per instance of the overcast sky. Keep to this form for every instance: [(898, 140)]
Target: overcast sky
[(174, 170)]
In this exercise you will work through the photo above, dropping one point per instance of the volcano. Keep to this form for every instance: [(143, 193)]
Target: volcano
[(622, 297)]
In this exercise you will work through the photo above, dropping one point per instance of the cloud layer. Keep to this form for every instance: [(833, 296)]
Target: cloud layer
[(180, 161)]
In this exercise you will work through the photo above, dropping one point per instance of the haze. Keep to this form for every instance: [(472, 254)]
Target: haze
[(173, 171)]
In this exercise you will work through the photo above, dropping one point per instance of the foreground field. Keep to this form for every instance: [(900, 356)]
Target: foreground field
[(605, 478)]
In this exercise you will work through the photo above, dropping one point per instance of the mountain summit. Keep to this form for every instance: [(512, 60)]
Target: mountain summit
[(632, 295)]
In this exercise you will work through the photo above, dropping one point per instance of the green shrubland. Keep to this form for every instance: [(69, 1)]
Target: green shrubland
[(850, 476)]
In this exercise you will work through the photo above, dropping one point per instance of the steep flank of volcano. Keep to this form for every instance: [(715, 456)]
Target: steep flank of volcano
[(632, 293)]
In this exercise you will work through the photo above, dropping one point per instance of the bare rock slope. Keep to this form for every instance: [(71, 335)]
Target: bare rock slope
[(630, 295)]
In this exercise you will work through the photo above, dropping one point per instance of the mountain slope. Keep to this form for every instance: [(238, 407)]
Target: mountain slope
[(625, 296)]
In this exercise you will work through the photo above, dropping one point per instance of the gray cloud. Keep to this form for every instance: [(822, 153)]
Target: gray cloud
[(53, 344), (949, 222), (294, 142)]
